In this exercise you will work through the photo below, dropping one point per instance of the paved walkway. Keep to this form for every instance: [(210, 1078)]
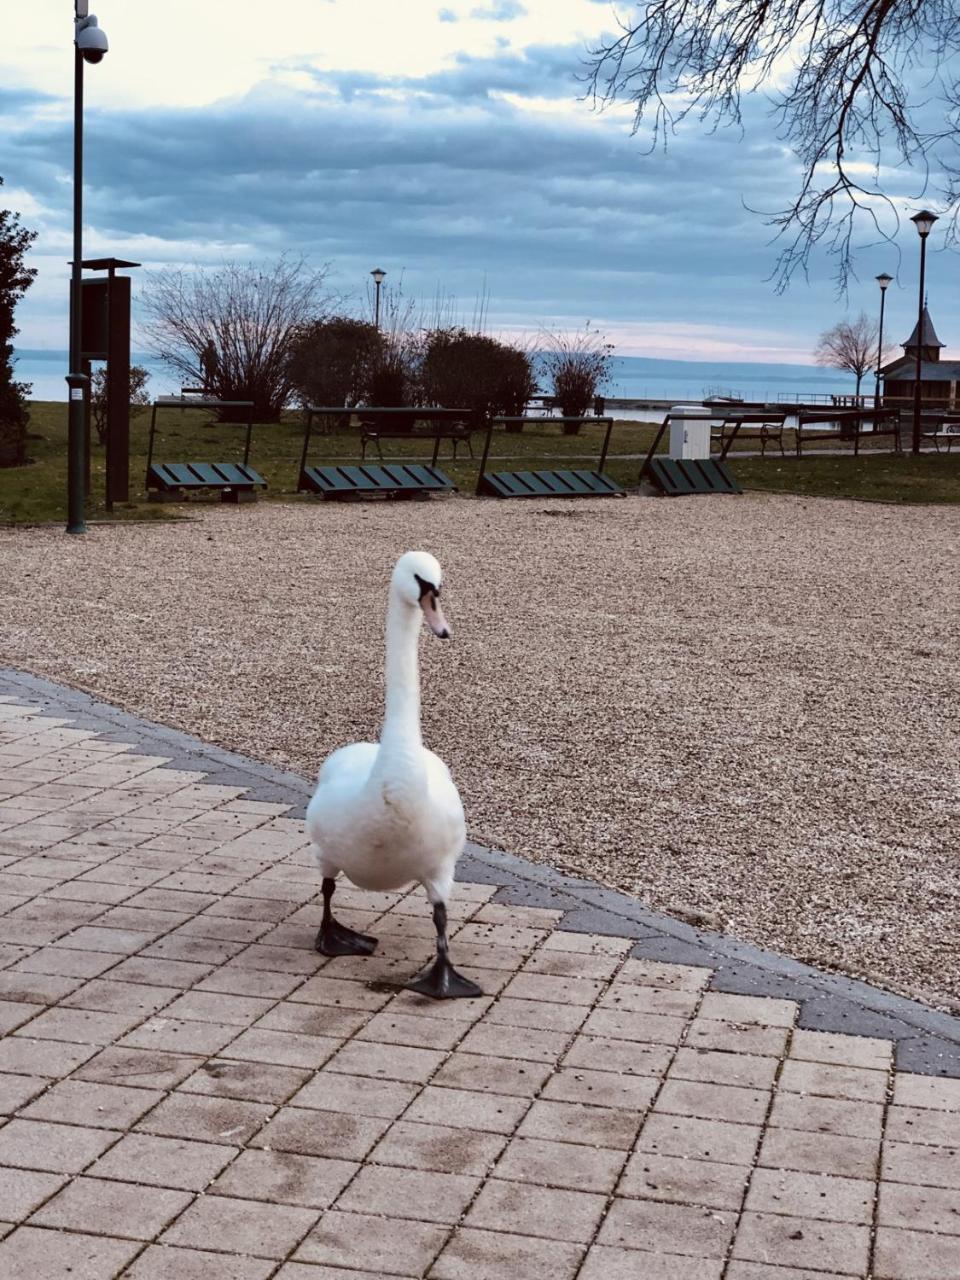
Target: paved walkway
[(189, 1092)]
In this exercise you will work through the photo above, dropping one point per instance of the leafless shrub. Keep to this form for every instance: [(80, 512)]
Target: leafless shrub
[(232, 329), (578, 366), (139, 396)]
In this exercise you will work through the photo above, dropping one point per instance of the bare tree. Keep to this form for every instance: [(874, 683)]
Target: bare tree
[(852, 86), (578, 366), (231, 329), (850, 345)]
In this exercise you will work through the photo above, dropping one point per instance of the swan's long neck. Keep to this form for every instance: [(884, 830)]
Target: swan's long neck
[(400, 739)]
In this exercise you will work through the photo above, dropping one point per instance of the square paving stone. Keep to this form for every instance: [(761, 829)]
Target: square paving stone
[(733, 1037), (329, 1091), (21, 1192), (391, 1027), (32, 1253), (142, 1067), (523, 1043), (423, 1195), (209, 1006), (53, 1059), (381, 1246), (114, 1208), (551, 1212), (260, 1045), (282, 1177), (387, 1061), (713, 1101), (101, 1106), (440, 1148), (462, 1109), (682, 1180), (631, 998), (316, 1020), (474, 1254), (56, 1148), (714, 1140), (479, 1073), (600, 966), (922, 1124), (536, 1015), (121, 997), (600, 1088), (667, 1228), (920, 1209), (826, 1115), (902, 1162), (333, 1134), (604, 1263), (81, 1026), (625, 1057), (914, 1255), (843, 1156), (803, 1242), (174, 1035), (166, 1262), (926, 1091), (163, 1162), (759, 1009), (645, 1028), (254, 1081), (811, 1195), (325, 989), (844, 1051), (738, 1270), (242, 1226), (560, 1164), (746, 1071), (571, 1122), (550, 988), (211, 1119), (16, 1091), (831, 1080)]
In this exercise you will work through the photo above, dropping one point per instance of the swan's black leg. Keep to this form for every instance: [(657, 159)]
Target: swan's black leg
[(440, 980), (336, 939)]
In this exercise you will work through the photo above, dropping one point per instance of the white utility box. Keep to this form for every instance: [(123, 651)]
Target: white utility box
[(690, 430)]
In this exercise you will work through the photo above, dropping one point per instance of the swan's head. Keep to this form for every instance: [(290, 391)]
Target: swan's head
[(417, 581)]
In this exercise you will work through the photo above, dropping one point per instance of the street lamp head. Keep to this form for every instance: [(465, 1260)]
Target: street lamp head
[(884, 281), (379, 275), (90, 40), (924, 221)]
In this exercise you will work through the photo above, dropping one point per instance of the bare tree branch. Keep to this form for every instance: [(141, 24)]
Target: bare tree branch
[(844, 79)]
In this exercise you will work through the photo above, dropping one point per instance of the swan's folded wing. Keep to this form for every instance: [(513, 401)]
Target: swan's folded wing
[(352, 763)]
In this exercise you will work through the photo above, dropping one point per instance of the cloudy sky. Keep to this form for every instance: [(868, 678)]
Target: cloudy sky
[(443, 140)]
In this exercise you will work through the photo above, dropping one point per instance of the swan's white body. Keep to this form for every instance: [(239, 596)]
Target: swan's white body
[(387, 814)]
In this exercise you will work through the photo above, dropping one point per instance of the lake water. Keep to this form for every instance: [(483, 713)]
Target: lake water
[(634, 378)]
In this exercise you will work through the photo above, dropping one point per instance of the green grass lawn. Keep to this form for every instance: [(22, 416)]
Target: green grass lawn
[(37, 493)]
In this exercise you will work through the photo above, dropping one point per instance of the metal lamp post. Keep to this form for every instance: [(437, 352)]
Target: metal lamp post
[(379, 276), (89, 45), (884, 282), (923, 221)]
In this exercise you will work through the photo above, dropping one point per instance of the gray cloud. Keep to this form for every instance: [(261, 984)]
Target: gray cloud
[(563, 217)]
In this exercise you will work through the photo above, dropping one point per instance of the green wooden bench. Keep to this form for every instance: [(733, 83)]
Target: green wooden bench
[(680, 477), (391, 480), (172, 481), (552, 483), (548, 484)]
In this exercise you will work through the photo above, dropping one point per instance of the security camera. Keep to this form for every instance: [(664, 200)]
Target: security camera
[(91, 41)]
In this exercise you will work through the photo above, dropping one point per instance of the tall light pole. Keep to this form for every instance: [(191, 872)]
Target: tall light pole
[(923, 221), (884, 282), (379, 276), (89, 45)]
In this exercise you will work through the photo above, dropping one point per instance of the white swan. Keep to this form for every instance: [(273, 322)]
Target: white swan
[(388, 814)]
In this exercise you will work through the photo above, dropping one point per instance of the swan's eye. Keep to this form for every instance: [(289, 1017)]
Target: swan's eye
[(426, 588)]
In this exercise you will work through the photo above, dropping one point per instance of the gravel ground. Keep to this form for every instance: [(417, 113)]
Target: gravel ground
[(745, 711)]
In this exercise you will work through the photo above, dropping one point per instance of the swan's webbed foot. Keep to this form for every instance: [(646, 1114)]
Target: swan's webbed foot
[(335, 939), (440, 981)]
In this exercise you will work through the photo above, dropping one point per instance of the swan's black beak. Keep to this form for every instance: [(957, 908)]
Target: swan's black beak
[(430, 604)]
